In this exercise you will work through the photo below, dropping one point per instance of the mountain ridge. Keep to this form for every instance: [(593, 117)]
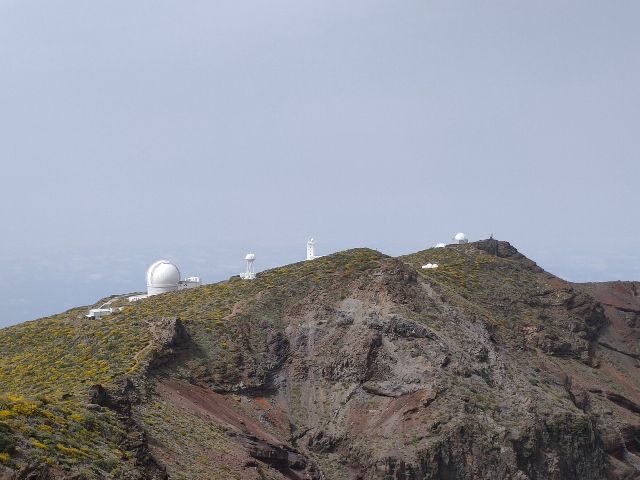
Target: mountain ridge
[(355, 365)]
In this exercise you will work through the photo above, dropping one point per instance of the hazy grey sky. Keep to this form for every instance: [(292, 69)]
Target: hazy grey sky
[(200, 131)]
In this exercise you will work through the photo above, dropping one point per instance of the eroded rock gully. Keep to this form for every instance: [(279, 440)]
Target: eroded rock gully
[(395, 374)]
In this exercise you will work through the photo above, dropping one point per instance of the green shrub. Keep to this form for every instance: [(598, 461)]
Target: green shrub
[(7, 439)]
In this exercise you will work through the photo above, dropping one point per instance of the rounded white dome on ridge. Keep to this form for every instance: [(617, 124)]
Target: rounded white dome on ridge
[(250, 256), (162, 276), (440, 245), (460, 236)]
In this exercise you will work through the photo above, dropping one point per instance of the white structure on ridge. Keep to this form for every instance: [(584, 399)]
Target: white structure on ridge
[(430, 265), (311, 250), (99, 312), (249, 274), (163, 276), (190, 282), (459, 238), (440, 245), (104, 309)]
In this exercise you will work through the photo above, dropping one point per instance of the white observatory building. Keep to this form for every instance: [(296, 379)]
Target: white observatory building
[(249, 274), (459, 238), (163, 276)]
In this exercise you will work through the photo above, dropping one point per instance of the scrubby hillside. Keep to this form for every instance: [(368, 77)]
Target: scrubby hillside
[(352, 366)]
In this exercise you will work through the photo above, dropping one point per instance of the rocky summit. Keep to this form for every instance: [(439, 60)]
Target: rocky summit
[(356, 365)]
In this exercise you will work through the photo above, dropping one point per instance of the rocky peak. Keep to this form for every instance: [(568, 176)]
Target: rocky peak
[(362, 366)]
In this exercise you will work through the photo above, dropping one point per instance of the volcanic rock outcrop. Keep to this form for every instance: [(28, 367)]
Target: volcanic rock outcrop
[(362, 366)]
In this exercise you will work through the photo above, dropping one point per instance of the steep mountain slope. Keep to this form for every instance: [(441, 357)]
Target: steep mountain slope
[(352, 366)]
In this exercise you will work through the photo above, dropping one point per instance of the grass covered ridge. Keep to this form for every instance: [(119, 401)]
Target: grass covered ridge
[(46, 365)]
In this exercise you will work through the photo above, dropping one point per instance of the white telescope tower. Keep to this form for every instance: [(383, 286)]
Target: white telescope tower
[(250, 273), (311, 250)]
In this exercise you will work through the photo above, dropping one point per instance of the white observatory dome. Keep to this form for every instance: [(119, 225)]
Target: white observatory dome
[(162, 276), (460, 236), (250, 256)]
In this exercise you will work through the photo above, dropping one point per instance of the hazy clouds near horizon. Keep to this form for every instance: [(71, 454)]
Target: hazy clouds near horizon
[(200, 131)]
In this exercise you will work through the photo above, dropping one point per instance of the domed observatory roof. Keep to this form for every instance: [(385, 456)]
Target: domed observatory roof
[(460, 238), (163, 276)]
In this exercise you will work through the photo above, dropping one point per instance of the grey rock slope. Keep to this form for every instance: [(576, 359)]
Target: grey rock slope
[(487, 367), (362, 366)]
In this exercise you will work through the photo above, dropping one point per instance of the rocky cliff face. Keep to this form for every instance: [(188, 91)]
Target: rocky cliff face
[(363, 366), (485, 369)]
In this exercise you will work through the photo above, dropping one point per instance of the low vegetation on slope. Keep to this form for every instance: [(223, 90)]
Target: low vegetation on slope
[(46, 365), (354, 365)]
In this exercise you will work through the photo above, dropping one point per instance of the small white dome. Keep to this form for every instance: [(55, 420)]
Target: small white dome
[(250, 256), (163, 273), (435, 265), (440, 245), (460, 236)]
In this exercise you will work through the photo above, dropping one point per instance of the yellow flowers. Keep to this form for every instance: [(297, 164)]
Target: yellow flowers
[(55, 359), (53, 417), (4, 457), (58, 353), (38, 444), (26, 408), (72, 450)]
